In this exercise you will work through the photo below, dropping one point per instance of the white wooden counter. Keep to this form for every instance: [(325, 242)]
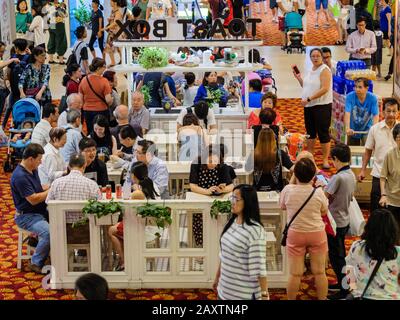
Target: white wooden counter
[(171, 262)]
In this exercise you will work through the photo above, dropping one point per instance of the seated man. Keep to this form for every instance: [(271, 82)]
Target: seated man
[(139, 115), (95, 168), (74, 102), (129, 141), (29, 199), (74, 186), (361, 112), (74, 135), (40, 134), (255, 94), (121, 114), (158, 172)]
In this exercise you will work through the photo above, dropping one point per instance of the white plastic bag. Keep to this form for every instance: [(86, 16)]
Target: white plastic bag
[(357, 221)]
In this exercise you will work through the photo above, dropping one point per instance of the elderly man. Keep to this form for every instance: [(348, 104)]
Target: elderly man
[(74, 102), (361, 44), (74, 134), (74, 186), (379, 141), (29, 199), (139, 115), (121, 114), (40, 134), (361, 112)]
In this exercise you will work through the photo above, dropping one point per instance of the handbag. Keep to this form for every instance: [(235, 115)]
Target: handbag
[(285, 231), (350, 296)]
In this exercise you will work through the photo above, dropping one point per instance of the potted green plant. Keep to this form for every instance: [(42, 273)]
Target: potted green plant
[(82, 14), (104, 213), (213, 98), (220, 207), (150, 58), (146, 89), (160, 214)]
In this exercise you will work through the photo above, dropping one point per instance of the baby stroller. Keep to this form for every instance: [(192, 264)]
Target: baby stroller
[(293, 21), (24, 110), (268, 82)]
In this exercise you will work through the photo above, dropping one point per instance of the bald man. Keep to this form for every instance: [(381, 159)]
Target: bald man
[(121, 114), (74, 102), (139, 116)]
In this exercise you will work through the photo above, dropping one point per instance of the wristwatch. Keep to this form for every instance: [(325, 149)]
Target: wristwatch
[(308, 99)]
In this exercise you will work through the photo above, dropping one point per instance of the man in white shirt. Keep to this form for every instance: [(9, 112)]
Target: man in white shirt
[(40, 134), (379, 141), (74, 135), (74, 101), (74, 186)]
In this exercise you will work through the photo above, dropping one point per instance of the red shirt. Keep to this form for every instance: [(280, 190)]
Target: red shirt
[(72, 87)]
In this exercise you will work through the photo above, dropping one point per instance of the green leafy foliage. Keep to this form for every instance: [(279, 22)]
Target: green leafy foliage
[(150, 58), (219, 207), (100, 209), (82, 13), (214, 96), (145, 89), (161, 214)]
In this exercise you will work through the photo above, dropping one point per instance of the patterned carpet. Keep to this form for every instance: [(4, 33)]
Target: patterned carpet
[(16, 284), (268, 31)]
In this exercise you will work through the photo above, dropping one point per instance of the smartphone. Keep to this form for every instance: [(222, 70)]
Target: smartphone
[(295, 69), (320, 177)]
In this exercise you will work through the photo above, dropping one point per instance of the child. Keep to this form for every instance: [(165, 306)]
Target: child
[(208, 91), (376, 58), (97, 21), (23, 137), (190, 89), (339, 191)]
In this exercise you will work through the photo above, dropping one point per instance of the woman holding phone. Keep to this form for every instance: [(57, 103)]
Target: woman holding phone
[(317, 99)]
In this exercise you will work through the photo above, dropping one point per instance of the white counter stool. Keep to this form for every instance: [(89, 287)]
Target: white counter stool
[(29, 250), (72, 263)]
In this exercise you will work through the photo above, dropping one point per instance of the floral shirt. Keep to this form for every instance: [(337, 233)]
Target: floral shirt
[(33, 78), (385, 285)]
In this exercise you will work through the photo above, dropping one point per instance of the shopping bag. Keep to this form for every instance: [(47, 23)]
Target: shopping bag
[(357, 221), (330, 224)]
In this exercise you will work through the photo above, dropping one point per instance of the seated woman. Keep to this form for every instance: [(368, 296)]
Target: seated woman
[(207, 176), (268, 162), (379, 242), (222, 152), (192, 138), (143, 188), (53, 165), (255, 95), (268, 100), (211, 92), (267, 118), (105, 141)]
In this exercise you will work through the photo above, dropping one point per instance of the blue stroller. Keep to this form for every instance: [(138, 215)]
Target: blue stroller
[(293, 21), (26, 112)]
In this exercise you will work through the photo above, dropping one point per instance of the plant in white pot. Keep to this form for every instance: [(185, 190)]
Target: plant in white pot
[(160, 214), (104, 213), (219, 207)]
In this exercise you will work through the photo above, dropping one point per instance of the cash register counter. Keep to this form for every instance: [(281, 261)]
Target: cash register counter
[(173, 257)]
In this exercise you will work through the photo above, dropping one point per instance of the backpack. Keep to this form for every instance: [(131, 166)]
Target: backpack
[(72, 57), (223, 9)]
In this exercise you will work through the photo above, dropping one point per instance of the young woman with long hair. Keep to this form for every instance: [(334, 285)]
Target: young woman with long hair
[(242, 273), (106, 142)]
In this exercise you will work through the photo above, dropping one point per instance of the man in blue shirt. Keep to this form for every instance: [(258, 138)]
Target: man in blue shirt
[(361, 112), (29, 199)]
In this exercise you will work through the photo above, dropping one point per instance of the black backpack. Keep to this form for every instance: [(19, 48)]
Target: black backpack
[(72, 57), (223, 9)]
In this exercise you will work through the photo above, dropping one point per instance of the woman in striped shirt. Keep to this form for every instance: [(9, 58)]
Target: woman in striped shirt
[(242, 273)]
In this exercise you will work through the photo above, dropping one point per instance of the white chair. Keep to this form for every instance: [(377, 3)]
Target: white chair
[(29, 250)]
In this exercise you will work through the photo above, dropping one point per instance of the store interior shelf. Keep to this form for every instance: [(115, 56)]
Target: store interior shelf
[(241, 67), (188, 43)]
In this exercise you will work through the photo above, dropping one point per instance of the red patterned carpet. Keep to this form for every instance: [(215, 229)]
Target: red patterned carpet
[(16, 284)]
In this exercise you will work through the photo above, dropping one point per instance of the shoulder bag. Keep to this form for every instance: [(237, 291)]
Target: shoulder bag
[(285, 231), (371, 277), (102, 98)]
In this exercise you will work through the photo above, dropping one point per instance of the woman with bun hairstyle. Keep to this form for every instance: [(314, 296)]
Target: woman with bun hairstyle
[(95, 91), (97, 21), (71, 79)]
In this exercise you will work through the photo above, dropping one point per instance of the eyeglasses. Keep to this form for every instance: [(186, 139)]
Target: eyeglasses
[(233, 198)]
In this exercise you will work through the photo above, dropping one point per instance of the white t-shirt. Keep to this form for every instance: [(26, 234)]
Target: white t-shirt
[(159, 8), (312, 83), (287, 4), (210, 118), (37, 27), (188, 95)]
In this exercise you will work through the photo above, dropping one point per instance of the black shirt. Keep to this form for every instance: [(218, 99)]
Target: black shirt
[(206, 178), (153, 81), (95, 21), (115, 132), (97, 171), (237, 9), (258, 128), (267, 183)]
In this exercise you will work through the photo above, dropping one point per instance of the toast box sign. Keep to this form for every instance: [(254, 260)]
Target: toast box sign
[(138, 29)]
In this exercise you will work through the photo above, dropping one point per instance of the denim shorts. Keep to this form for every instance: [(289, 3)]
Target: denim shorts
[(318, 4)]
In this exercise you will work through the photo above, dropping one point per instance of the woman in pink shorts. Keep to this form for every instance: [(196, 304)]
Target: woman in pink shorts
[(307, 231)]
